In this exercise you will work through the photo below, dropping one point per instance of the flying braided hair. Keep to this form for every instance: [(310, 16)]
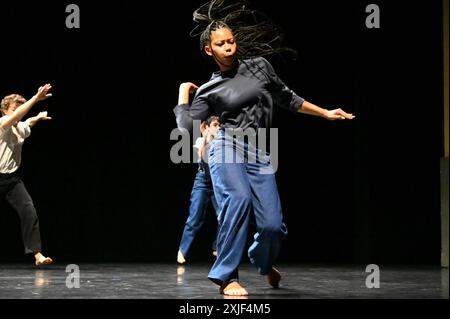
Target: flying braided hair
[(255, 34)]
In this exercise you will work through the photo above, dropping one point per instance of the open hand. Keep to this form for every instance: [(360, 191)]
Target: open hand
[(42, 92), (42, 116), (338, 114)]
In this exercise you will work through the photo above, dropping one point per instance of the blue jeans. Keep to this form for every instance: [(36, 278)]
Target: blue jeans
[(244, 194), (202, 193)]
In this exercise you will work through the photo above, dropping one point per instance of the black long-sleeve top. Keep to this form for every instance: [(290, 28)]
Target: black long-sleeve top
[(242, 98)]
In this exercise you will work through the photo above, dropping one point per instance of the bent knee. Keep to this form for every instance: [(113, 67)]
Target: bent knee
[(243, 198), (272, 229)]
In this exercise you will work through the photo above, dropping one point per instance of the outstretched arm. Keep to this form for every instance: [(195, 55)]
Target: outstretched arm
[(42, 116), (22, 110), (286, 98), (337, 114)]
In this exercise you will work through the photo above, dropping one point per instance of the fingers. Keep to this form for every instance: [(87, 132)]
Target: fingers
[(193, 88), (342, 115), (43, 116), (189, 84), (47, 88), (193, 85), (42, 93)]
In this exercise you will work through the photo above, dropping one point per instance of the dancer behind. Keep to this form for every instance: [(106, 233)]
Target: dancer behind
[(242, 94), (13, 133), (202, 191)]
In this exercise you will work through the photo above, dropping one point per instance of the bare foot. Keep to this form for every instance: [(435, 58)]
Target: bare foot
[(233, 289), (235, 297), (274, 277), (41, 260), (180, 258)]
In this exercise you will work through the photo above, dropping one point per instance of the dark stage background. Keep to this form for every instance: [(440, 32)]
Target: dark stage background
[(100, 174)]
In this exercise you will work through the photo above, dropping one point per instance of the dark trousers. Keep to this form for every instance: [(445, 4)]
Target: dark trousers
[(14, 192)]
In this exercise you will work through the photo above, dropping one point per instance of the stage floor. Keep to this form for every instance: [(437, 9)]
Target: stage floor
[(170, 281)]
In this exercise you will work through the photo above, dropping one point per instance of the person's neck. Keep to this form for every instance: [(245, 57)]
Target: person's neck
[(226, 69)]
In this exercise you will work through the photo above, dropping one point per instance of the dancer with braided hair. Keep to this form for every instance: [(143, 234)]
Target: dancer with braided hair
[(242, 93)]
